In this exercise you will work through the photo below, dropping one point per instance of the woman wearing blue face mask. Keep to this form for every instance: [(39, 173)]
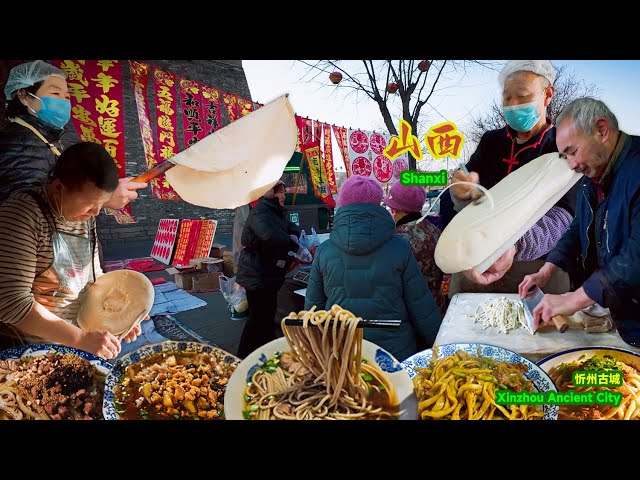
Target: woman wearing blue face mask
[(527, 90), (38, 108)]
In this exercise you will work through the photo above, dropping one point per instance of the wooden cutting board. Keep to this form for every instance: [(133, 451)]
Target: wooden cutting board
[(458, 327)]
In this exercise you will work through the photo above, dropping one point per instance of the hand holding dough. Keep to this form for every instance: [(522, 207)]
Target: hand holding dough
[(479, 234), (464, 191), (116, 302)]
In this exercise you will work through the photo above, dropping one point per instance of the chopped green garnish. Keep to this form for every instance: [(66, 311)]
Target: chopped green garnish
[(246, 415), (143, 411), (246, 397), (253, 408), (366, 377), (196, 418), (176, 416), (381, 387), (220, 413)]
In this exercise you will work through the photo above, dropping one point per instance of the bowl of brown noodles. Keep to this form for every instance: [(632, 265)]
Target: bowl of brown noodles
[(51, 382), (321, 370)]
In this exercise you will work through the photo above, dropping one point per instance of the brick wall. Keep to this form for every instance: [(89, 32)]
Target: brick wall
[(228, 76)]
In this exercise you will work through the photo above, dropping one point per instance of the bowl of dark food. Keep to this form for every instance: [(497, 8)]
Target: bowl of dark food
[(169, 381), (609, 388), (51, 382), (467, 381)]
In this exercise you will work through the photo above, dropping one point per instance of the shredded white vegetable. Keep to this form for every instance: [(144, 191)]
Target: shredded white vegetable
[(502, 313)]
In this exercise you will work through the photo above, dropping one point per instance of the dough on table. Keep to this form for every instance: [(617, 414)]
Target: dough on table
[(478, 235), (116, 302)]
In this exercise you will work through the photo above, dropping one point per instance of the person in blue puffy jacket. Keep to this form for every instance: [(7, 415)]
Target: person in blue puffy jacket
[(367, 269)]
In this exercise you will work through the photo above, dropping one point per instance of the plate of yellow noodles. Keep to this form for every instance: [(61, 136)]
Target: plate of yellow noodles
[(604, 381), (473, 381)]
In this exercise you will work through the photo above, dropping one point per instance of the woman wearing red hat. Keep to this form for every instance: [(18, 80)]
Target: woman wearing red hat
[(406, 204)]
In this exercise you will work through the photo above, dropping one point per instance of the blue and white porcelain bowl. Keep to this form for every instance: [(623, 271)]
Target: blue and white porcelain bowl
[(234, 401), (539, 378), (39, 349), (108, 407)]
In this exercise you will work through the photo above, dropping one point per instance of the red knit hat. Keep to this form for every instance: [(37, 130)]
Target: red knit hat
[(405, 198), (358, 189)]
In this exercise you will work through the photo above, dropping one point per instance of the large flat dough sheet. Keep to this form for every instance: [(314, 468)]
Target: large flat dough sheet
[(478, 235), (240, 162)]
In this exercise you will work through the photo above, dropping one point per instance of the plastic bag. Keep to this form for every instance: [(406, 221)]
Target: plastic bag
[(234, 294), (308, 241)]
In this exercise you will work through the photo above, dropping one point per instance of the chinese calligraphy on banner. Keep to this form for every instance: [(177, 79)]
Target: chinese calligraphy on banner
[(140, 77), (328, 159), (318, 173), (96, 99), (211, 109), (192, 113), (231, 103), (166, 123), (343, 144), (367, 158)]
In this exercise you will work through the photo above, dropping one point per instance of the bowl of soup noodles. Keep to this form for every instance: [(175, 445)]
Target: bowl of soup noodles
[(271, 384)]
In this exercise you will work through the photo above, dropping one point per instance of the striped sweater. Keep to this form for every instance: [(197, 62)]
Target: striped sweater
[(26, 255)]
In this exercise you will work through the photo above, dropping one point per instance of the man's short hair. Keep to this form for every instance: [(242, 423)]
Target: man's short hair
[(86, 162)]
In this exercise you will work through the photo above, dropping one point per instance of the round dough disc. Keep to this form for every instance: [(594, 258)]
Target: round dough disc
[(116, 302), (478, 235)]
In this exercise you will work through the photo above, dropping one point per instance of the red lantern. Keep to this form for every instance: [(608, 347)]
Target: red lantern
[(424, 65), (392, 87), (335, 77)]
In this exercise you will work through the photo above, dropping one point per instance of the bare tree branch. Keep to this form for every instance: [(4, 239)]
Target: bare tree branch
[(415, 88)]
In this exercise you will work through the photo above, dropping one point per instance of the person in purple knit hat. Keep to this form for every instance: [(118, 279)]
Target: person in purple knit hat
[(367, 269), (405, 203)]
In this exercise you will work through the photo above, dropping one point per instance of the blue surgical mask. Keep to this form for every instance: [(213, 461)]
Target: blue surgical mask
[(522, 117), (55, 111)]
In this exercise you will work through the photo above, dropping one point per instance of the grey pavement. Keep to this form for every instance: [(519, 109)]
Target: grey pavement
[(213, 321)]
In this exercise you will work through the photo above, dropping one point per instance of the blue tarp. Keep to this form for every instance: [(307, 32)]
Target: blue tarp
[(172, 299)]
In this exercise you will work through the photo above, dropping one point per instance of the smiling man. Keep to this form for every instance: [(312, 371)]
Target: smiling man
[(605, 234)]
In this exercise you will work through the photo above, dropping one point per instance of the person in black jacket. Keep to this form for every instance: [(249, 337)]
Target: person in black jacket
[(605, 235), (38, 108), (530, 133), (263, 263)]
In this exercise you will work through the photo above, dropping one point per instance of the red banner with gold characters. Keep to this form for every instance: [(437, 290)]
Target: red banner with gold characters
[(231, 103), (318, 175), (341, 137), (192, 114), (300, 127), (96, 99), (317, 133), (166, 123), (328, 159), (140, 77), (211, 109), (244, 106)]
